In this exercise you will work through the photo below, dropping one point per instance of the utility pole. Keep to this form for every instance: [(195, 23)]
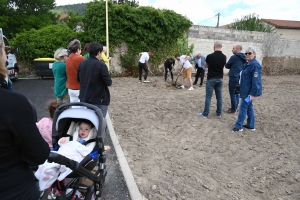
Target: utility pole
[(218, 20), (107, 39)]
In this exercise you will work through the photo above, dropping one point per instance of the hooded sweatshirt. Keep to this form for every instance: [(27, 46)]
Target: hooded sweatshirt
[(235, 64)]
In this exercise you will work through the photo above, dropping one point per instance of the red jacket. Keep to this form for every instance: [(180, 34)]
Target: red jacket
[(72, 64)]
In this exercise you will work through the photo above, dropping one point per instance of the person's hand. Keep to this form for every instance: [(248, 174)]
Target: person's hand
[(251, 98), (63, 140)]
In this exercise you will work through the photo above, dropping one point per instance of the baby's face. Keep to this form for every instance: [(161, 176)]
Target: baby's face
[(84, 130)]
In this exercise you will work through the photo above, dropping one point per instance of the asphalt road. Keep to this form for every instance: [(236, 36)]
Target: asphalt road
[(39, 92)]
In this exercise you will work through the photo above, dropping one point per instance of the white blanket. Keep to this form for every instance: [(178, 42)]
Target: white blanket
[(48, 173)]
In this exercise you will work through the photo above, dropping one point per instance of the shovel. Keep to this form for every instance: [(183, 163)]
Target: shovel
[(152, 73), (175, 84)]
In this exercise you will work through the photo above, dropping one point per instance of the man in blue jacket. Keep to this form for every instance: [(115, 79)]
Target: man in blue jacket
[(235, 65), (200, 68)]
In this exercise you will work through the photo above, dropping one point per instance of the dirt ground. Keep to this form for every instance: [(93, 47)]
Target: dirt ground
[(174, 154)]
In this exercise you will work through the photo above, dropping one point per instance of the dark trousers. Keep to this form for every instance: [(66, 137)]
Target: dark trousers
[(199, 73), (143, 66), (166, 72), (234, 98)]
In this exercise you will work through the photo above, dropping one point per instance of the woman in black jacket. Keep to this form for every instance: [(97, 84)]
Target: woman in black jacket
[(94, 79), (21, 145)]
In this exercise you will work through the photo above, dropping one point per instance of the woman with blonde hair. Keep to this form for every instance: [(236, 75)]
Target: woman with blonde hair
[(22, 148)]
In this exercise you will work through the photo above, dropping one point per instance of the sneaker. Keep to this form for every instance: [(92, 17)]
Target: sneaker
[(191, 88), (140, 81), (200, 85), (236, 129), (201, 115), (52, 194), (247, 127), (146, 81), (220, 116), (181, 87)]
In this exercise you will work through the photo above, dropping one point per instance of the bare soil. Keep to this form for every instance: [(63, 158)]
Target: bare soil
[(174, 154)]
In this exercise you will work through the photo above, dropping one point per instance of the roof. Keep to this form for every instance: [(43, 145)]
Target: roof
[(289, 24), (62, 16)]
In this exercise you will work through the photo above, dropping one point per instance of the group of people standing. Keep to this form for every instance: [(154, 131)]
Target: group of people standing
[(245, 82), (244, 79), (26, 144), (82, 77)]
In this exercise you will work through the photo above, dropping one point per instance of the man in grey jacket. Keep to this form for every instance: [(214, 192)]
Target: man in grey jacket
[(199, 61)]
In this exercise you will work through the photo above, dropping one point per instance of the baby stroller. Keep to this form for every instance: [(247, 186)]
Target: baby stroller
[(95, 161)]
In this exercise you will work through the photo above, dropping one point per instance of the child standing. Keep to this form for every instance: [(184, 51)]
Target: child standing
[(45, 124)]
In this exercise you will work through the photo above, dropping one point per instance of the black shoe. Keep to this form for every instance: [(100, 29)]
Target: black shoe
[(236, 129), (230, 111), (247, 127), (194, 83), (200, 85)]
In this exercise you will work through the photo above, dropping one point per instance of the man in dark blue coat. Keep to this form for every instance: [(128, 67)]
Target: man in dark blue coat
[(235, 65)]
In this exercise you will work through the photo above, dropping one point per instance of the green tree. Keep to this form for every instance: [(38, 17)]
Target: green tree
[(76, 8), (141, 29), (183, 47), (17, 15), (43, 42), (251, 22), (132, 3)]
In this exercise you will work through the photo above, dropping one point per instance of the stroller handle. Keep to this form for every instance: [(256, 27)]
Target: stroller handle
[(90, 106), (73, 165)]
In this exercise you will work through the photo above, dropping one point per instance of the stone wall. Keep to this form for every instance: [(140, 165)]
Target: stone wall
[(204, 37)]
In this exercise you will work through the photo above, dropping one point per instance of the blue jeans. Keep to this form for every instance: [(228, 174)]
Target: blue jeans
[(233, 97), (245, 109), (211, 85)]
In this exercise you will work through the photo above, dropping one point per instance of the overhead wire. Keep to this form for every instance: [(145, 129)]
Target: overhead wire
[(208, 19)]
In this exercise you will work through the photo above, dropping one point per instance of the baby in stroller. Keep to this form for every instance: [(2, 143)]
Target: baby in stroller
[(78, 135), (81, 145)]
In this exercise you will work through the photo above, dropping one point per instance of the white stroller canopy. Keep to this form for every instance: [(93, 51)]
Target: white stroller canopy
[(79, 113)]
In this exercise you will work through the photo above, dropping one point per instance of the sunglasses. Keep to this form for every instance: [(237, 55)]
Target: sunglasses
[(248, 53)]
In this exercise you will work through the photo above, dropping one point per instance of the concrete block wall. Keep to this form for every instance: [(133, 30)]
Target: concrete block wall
[(204, 37)]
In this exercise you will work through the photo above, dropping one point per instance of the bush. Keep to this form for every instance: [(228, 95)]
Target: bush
[(141, 29), (43, 42)]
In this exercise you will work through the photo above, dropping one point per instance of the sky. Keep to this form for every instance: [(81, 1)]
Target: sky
[(204, 12)]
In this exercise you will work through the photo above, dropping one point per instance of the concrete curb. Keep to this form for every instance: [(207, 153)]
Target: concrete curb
[(130, 182)]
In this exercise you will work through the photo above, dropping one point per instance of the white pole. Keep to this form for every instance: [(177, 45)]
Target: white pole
[(107, 39)]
